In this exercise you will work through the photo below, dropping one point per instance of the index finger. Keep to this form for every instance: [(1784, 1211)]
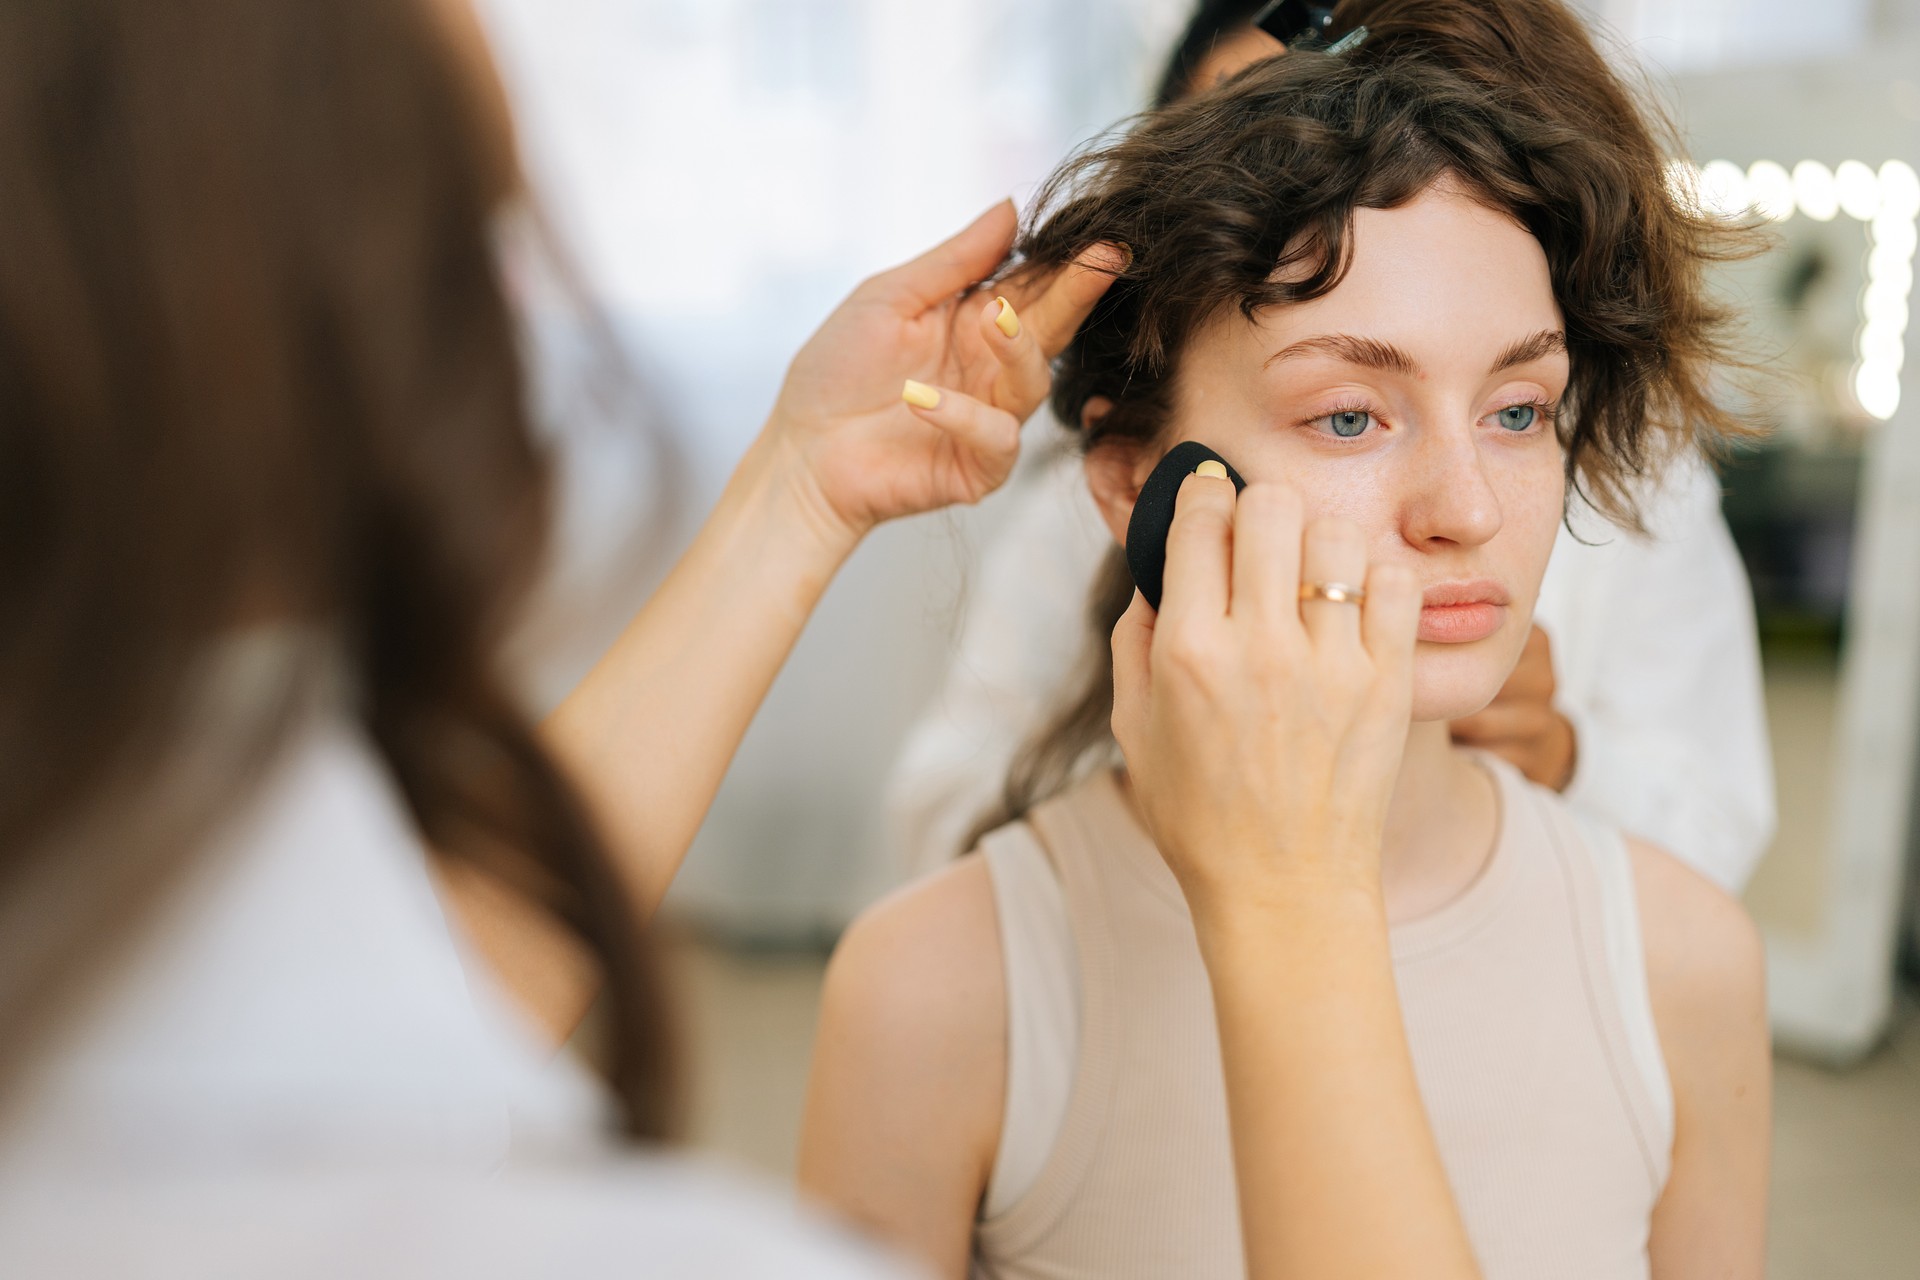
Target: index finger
[(1054, 303), (954, 266), (1199, 550)]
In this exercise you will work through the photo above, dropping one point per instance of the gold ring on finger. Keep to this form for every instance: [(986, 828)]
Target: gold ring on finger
[(1332, 593)]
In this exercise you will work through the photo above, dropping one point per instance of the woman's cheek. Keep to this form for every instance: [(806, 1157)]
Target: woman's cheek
[(1361, 488), (1533, 502), (1546, 489)]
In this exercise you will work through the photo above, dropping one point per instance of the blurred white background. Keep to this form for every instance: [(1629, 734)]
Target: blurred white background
[(725, 171)]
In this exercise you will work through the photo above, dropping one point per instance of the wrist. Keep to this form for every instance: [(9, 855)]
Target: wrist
[(774, 475), (1303, 897), (1302, 928)]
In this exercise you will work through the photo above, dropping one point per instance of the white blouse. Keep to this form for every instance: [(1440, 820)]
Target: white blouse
[(293, 1069)]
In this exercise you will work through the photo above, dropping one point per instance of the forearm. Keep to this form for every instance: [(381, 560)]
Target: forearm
[(647, 737), (1338, 1171)]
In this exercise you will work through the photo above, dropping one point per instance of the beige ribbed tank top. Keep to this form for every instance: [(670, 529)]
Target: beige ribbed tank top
[(1525, 1004)]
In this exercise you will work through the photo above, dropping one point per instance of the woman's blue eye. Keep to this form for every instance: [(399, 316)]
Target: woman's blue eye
[(1518, 417), (1349, 424)]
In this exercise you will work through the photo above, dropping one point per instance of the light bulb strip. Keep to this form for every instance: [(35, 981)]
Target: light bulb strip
[(1887, 200)]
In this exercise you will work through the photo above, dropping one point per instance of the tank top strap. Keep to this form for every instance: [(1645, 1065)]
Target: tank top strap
[(1587, 857), (1075, 833), (1625, 947), (1043, 1010)]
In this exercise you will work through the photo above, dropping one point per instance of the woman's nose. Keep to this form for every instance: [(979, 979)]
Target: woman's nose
[(1452, 498)]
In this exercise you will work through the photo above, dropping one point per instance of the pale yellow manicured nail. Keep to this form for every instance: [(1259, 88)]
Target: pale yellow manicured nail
[(920, 395), (1215, 470), (1008, 322)]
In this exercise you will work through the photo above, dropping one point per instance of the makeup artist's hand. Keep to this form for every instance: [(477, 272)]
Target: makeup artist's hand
[(1263, 734), (911, 396), (1522, 725)]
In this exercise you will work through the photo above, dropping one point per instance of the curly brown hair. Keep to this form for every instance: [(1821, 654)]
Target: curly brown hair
[(1243, 197)]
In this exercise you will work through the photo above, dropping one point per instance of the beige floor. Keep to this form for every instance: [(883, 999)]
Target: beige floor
[(1846, 1202)]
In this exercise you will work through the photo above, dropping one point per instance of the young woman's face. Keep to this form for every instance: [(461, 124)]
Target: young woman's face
[(1414, 400)]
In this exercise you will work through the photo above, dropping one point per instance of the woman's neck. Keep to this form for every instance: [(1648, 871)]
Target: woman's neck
[(1441, 824)]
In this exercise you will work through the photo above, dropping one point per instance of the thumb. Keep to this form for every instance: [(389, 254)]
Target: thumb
[(958, 264), (1132, 672)]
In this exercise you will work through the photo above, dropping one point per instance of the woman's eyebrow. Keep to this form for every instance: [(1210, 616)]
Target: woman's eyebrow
[(1372, 353), (1527, 350), (1369, 352)]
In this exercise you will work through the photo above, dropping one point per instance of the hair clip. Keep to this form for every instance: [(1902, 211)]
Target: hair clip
[(1348, 42), (1299, 25)]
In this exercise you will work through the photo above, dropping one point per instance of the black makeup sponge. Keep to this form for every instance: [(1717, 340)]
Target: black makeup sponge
[(1153, 514)]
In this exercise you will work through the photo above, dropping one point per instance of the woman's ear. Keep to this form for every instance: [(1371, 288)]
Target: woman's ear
[(1116, 468)]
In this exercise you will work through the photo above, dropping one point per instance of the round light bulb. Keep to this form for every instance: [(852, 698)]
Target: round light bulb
[(1896, 236), (1899, 190), (1858, 188), (1877, 388), (1770, 187), (1884, 305), (1815, 191), (1723, 188), (1880, 345), (1887, 262)]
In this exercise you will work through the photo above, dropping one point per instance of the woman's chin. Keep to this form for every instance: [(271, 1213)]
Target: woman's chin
[(1453, 681)]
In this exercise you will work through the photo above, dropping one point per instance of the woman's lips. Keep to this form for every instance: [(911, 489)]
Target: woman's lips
[(1462, 612), (1460, 623)]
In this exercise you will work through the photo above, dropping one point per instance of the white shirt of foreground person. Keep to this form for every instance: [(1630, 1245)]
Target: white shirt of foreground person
[(1654, 646), (294, 1070)]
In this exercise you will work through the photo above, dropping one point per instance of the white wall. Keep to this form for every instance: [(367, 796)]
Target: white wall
[(1706, 35)]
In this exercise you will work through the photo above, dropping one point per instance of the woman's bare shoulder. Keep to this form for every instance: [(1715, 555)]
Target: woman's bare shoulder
[(1706, 976), (1701, 944), (909, 1075), (1706, 962), (926, 959)]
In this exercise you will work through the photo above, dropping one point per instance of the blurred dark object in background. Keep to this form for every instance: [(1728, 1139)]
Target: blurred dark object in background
[(1793, 511)]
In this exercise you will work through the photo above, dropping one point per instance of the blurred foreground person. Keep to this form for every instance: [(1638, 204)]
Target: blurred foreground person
[(272, 502), (295, 900)]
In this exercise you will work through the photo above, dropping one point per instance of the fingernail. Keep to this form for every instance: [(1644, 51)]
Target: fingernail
[(920, 395), (1217, 470), (1008, 322)]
